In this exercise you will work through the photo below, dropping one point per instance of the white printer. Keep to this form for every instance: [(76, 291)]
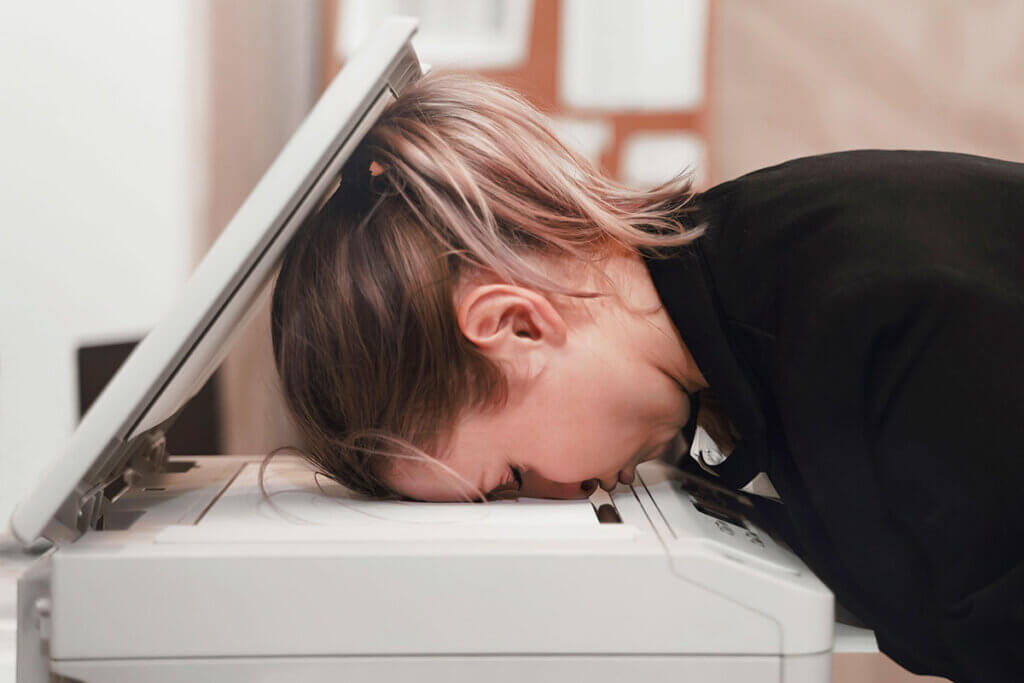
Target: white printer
[(178, 569)]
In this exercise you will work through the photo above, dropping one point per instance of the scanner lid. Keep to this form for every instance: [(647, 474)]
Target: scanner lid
[(123, 430)]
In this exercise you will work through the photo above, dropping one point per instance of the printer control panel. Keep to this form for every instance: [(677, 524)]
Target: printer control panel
[(733, 520), (736, 526)]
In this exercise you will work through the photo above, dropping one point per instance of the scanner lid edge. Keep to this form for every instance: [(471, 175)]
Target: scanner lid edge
[(189, 342)]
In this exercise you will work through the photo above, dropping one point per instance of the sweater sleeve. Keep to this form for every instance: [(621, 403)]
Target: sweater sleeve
[(908, 396)]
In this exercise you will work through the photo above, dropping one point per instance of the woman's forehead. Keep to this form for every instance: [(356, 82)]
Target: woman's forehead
[(432, 479)]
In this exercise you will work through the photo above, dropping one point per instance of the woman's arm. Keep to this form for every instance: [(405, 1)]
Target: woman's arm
[(949, 448), (903, 398)]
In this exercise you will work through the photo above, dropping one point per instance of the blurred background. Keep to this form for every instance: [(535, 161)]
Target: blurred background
[(131, 132)]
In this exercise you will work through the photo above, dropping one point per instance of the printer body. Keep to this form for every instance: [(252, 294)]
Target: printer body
[(174, 568), (308, 585)]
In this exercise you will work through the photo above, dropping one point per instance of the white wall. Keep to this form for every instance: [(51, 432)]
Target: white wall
[(643, 55), (460, 34), (101, 173)]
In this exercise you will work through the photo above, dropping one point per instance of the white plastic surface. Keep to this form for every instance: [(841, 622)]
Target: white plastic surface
[(447, 669), (531, 595), (757, 571), (853, 639), (298, 510)]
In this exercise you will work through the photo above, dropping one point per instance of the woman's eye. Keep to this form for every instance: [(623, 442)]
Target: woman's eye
[(509, 488)]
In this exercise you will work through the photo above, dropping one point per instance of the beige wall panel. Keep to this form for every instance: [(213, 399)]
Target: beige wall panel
[(792, 78), (264, 77)]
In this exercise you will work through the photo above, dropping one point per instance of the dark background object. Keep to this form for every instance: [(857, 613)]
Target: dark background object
[(197, 429)]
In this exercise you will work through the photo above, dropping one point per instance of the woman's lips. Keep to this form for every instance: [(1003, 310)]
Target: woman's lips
[(626, 474)]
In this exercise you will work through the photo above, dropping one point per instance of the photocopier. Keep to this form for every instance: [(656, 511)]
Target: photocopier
[(172, 568)]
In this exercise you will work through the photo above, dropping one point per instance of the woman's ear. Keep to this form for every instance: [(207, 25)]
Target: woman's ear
[(513, 325)]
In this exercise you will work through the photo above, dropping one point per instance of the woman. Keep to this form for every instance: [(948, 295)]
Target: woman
[(478, 312)]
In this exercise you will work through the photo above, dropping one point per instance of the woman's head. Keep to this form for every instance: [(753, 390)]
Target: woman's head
[(438, 311)]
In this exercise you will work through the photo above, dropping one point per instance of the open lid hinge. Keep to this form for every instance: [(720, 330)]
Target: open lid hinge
[(147, 455)]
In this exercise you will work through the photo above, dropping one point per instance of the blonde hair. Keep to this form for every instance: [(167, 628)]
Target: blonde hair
[(466, 176)]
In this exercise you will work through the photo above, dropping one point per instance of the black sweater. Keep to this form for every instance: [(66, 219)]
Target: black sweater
[(860, 317)]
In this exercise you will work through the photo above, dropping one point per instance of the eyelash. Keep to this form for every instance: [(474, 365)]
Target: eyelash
[(510, 489)]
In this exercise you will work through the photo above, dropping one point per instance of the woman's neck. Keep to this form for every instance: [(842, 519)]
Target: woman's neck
[(647, 330)]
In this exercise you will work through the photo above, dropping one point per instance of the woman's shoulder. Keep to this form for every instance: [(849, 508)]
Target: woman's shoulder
[(871, 165), (796, 232), (865, 181), (870, 209)]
